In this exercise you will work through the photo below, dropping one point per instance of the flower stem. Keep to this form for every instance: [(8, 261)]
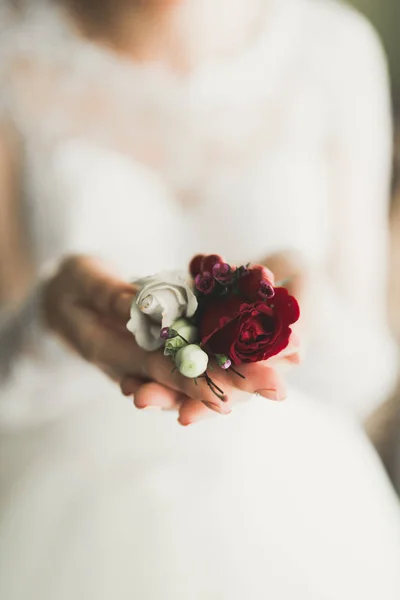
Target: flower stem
[(236, 372), (215, 385), (214, 388), (284, 282)]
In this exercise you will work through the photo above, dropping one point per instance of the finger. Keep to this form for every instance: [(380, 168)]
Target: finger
[(120, 305), (156, 395), (290, 355), (260, 378), (263, 380), (116, 324), (110, 350), (286, 266), (160, 368), (256, 378), (294, 359), (129, 385), (294, 344), (192, 411), (120, 354), (292, 348), (98, 288)]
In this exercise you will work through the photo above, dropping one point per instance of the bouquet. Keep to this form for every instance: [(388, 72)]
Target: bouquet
[(220, 317)]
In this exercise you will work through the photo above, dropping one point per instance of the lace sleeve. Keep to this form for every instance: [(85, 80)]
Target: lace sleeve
[(19, 293), (360, 163), (25, 346), (350, 296)]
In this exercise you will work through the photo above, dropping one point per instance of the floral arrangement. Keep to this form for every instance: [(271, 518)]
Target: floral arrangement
[(221, 317)]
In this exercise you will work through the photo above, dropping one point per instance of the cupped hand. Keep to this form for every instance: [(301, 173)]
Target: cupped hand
[(88, 308)]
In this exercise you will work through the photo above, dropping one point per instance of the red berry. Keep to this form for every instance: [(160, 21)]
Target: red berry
[(211, 260), (195, 266), (251, 283)]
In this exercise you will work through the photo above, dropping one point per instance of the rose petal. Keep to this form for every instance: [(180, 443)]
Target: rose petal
[(146, 334), (169, 305), (185, 301), (157, 286), (249, 284), (192, 302), (218, 315), (286, 305)]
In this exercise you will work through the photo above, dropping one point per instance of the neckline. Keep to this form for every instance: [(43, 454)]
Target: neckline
[(277, 27)]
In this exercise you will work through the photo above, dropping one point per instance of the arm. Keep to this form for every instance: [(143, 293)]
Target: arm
[(360, 160), (88, 308), (16, 272), (15, 264), (347, 297)]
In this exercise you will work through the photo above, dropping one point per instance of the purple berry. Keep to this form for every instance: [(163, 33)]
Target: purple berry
[(266, 290), (167, 333), (204, 282), (243, 271), (226, 364), (222, 272), (223, 361)]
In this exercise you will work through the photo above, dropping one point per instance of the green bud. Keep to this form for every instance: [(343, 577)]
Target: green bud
[(221, 359), (183, 328), (186, 330), (191, 361), (173, 345)]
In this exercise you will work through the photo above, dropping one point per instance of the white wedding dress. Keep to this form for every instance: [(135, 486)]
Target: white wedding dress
[(253, 154)]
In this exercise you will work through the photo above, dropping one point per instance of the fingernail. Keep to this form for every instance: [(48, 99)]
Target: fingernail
[(213, 407), (225, 410), (126, 391), (276, 395), (221, 409)]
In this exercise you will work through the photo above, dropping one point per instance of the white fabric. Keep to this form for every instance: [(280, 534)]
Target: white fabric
[(285, 144)]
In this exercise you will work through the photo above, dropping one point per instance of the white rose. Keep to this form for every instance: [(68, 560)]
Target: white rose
[(162, 299), (191, 361)]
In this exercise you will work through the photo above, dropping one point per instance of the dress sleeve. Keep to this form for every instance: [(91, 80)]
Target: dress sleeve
[(349, 302), (24, 342)]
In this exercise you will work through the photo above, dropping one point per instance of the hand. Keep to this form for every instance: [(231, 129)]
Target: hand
[(89, 308), (290, 271), (288, 268)]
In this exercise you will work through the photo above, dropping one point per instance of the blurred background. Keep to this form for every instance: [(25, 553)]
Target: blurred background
[(385, 426), (385, 15)]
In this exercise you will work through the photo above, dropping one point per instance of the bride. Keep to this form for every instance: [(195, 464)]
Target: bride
[(136, 134)]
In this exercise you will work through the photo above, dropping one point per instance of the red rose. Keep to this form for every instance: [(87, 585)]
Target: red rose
[(249, 332), (251, 284)]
